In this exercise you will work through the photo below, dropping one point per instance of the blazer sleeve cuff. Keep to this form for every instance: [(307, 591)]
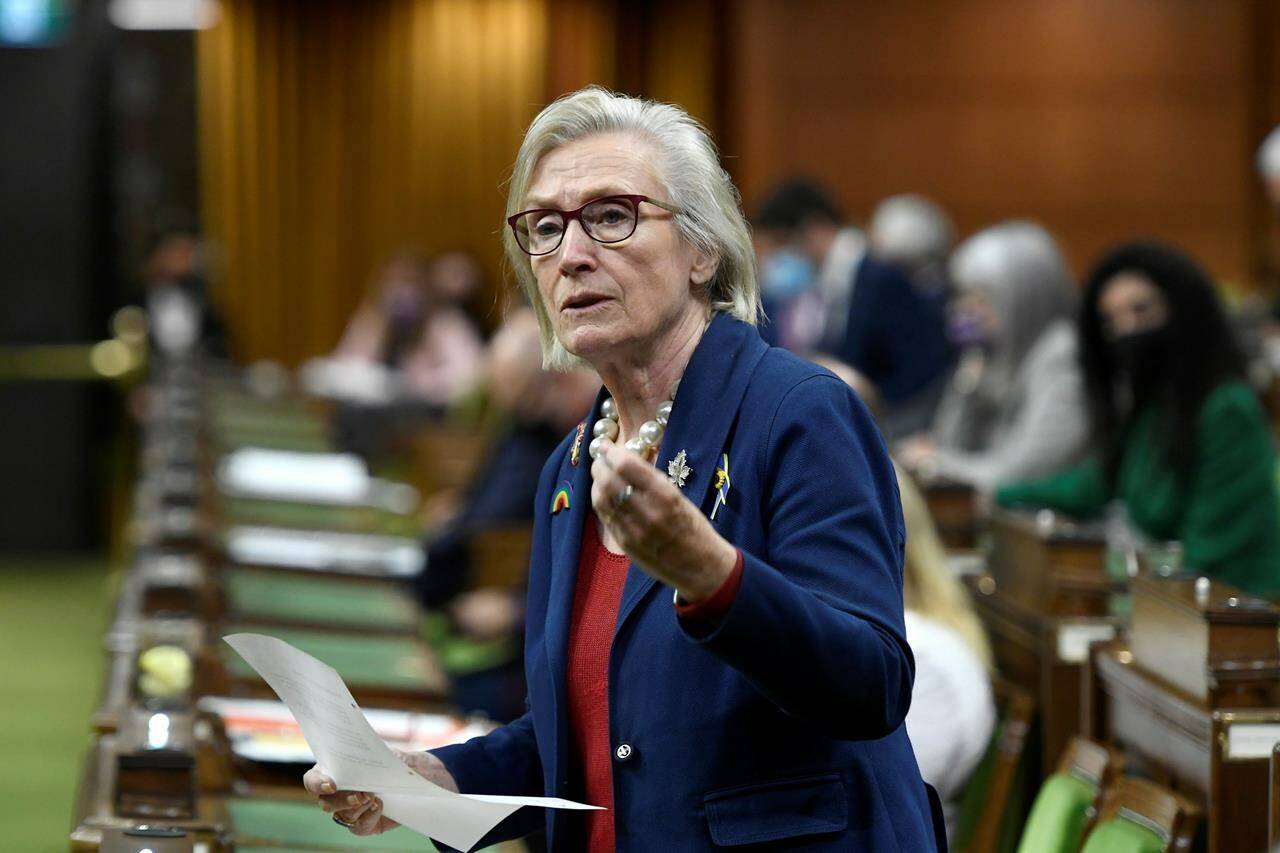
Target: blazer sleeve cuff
[(704, 615)]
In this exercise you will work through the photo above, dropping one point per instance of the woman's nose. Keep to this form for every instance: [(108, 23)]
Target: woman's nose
[(577, 250)]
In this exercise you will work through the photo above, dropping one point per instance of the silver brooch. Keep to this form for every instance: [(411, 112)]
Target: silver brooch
[(677, 470)]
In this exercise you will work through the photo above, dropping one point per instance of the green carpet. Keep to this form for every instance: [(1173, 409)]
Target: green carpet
[(53, 612)]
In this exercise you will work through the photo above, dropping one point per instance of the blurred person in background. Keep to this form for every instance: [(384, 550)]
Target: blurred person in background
[(458, 280), (806, 258), (953, 711), (540, 406), (1269, 168), (1183, 441), (914, 234), (179, 314), (871, 316), (409, 324), (1015, 406)]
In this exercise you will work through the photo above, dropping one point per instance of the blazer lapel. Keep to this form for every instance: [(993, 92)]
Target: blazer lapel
[(566, 545), (705, 407)]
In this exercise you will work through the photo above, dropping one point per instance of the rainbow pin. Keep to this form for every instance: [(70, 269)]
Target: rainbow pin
[(560, 500)]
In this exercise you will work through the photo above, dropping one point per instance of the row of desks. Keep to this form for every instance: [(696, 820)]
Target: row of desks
[(198, 755), (1180, 672)]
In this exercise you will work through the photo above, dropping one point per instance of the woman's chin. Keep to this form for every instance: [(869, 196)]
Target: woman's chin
[(592, 341)]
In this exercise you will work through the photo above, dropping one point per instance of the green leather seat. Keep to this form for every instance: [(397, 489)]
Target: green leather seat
[(1058, 816), (1123, 836)]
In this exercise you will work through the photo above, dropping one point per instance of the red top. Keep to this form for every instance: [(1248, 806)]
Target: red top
[(597, 596)]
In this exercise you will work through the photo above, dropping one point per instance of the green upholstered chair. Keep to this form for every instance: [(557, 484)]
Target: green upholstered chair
[(1058, 816), (1123, 836), (1068, 800), (1139, 816), (991, 808)]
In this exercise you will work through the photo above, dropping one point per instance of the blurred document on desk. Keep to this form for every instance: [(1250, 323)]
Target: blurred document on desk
[(349, 750)]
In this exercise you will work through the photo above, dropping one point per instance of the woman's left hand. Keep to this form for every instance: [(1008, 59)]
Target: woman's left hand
[(657, 526)]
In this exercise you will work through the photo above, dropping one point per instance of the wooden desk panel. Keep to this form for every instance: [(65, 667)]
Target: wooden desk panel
[(1050, 564), (1044, 656), (1175, 738)]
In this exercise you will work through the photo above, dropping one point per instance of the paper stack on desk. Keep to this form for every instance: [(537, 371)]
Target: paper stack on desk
[(264, 730), (350, 751)]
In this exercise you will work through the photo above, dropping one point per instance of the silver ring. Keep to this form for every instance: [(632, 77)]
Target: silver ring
[(340, 822), (622, 497)]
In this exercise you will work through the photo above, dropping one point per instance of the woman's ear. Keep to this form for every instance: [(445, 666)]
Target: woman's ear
[(704, 268)]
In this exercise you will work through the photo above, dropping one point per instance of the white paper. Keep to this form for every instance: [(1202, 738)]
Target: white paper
[(324, 478), (350, 379), (350, 553), (1074, 639), (1247, 741), (350, 751)]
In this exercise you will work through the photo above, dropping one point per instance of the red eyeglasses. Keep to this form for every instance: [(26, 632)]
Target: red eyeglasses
[(611, 219)]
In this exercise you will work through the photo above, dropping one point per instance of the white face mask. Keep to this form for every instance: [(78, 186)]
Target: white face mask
[(175, 319)]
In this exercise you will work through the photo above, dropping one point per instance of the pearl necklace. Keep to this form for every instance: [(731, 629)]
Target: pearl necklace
[(606, 429)]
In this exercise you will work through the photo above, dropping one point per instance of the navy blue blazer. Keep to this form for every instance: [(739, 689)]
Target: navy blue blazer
[(783, 727)]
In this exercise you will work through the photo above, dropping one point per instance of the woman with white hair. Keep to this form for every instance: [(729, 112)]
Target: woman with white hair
[(715, 648), (1015, 408), (916, 234)]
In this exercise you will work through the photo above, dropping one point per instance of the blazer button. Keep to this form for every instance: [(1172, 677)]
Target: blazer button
[(623, 752)]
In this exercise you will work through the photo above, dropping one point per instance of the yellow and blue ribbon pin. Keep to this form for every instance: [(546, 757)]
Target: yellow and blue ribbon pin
[(722, 484)]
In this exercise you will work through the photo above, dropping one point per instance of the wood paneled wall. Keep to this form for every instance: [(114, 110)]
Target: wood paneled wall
[(1104, 119)]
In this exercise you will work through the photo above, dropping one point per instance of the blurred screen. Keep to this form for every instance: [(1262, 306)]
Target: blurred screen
[(33, 23)]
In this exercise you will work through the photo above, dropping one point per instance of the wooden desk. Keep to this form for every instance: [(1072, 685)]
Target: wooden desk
[(1049, 563), (951, 505), (125, 641), (1186, 697), (95, 810), (1043, 601)]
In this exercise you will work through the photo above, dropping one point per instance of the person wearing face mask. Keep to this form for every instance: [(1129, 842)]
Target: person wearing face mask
[(1183, 440), (857, 308), (408, 325), (1015, 405)]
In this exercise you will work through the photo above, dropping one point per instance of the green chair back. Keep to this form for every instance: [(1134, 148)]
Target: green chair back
[(1123, 836), (1058, 816)]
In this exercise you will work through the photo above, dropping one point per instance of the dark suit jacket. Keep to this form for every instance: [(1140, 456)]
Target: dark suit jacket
[(895, 335), (783, 727)]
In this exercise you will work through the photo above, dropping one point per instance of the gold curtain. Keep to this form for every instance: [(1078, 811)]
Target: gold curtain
[(333, 133)]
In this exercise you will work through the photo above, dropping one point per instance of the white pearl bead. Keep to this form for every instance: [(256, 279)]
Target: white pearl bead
[(609, 409), (593, 449), (636, 445), (664, 412), (651, 432), (605, 427)]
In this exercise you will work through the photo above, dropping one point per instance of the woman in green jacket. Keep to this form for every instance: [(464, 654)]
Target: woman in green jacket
[(1182, 439)]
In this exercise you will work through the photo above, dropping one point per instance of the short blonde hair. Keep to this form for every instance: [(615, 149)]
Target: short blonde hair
[(710, 217)]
